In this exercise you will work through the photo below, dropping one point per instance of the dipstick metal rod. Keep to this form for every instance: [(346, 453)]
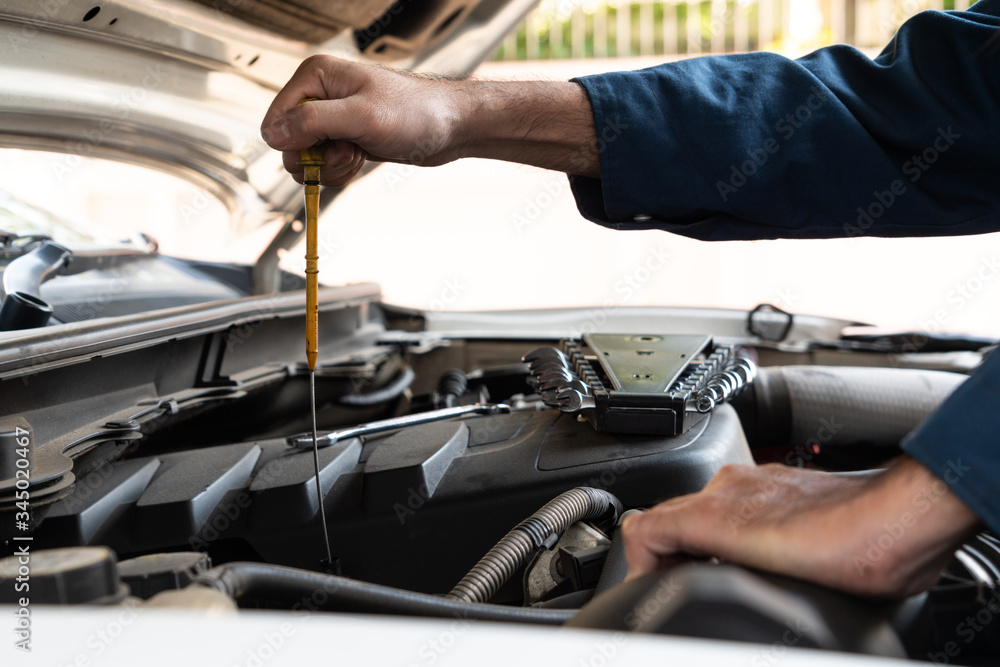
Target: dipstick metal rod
[(311, 160), (319, 490)]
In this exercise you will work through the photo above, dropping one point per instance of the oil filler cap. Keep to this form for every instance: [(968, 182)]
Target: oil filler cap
[(153, 573), (75, 575)]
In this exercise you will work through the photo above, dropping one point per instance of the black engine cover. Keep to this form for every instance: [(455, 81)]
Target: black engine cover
[(415, 509)]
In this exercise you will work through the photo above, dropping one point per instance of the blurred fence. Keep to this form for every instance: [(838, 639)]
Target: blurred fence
[(588, 29)]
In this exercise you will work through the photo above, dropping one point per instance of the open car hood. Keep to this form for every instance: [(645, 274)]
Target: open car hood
[(181, 85)]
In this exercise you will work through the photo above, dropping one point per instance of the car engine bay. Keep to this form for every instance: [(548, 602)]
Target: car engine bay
[(461, 475), (155, 436)]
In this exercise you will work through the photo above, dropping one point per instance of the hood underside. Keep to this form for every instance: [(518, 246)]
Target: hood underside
[(181, 86)]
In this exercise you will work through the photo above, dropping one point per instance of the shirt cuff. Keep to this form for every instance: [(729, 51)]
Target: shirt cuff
[(959, 443)]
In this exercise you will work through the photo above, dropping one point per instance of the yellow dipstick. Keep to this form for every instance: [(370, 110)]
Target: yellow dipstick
[(311, 159)]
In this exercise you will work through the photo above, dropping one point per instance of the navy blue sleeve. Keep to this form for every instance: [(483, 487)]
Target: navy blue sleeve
[(833, 144), (962, 449)]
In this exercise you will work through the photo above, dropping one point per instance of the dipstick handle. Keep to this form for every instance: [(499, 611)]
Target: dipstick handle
[(311, 159)]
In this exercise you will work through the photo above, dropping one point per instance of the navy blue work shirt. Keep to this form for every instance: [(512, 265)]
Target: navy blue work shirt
[(833, 144)]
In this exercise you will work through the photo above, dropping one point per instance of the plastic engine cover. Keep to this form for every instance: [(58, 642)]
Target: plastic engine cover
[(414, 509)]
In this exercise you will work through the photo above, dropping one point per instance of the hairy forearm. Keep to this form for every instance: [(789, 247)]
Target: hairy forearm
[(912, 523), (884, 535), (545, 124), (363, 112)]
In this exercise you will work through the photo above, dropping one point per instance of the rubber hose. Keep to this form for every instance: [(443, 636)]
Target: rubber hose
[(294, 588), (452, 386), (390, 392), (615, 566), (840, 405), (542, 528)]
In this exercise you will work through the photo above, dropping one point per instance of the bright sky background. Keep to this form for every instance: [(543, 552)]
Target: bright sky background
[(481, 235), (454, 237)]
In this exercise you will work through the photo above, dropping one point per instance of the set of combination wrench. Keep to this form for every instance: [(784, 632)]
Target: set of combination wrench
[(653, 384), (638, 384)]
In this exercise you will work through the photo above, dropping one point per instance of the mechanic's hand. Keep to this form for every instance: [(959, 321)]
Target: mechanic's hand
[(368, 112), (362, 112), (884, 535)]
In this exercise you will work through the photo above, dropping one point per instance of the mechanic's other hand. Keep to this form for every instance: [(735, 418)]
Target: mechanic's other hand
[(884, 535), (362, 112)]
